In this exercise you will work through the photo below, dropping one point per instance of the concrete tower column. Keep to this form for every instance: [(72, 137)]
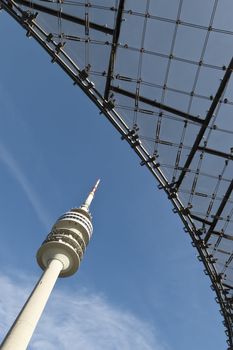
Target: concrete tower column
[(21, 332)]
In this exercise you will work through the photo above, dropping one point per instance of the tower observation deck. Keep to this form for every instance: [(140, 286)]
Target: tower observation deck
[(59, 256), (167, 88), (68, 238)]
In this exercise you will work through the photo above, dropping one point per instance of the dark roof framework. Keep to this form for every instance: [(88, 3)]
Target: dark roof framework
[(160, 71)]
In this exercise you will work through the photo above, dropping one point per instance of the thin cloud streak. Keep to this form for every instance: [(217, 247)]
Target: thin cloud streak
[(7, 158), (78, 320)]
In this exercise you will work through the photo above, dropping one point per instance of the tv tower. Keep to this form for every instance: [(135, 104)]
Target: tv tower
[(59, 256)]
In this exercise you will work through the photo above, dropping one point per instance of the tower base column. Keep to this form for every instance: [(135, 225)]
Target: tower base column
[(21, 332)]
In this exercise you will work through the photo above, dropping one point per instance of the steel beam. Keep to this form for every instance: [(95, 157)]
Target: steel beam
[(198, 218), (215, 152), (219, 211), (158, 105), (223, 235), (63, 15), (209, 115), (227, 285), (114, 48)]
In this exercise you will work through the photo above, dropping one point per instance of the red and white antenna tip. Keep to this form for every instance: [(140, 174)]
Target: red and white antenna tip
[(90, 197), (96, 186)]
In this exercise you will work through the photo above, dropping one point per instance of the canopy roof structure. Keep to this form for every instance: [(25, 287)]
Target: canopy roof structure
[(160, 71)]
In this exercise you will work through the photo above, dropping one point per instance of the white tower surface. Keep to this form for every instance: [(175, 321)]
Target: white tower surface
[(59, 256)]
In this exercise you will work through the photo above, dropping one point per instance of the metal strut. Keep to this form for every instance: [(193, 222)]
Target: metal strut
[(206, 122), (219, 211), (65, 16), (114, 48), (158, 105)]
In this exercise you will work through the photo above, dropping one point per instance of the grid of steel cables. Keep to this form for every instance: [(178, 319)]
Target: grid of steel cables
[(160, 71)]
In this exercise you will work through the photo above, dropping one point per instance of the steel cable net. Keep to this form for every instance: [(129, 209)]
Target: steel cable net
[(161, 73)]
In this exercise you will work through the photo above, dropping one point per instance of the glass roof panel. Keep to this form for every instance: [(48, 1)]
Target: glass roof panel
[(193, 13), (164, 8)]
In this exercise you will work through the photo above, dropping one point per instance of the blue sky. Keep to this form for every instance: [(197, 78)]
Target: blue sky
[(140, 285)]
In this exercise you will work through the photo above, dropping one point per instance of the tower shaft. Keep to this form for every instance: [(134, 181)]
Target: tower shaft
[(21, 331)]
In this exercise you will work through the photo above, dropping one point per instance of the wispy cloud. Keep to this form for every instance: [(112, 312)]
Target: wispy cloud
[(78, 320), (7, 158)]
